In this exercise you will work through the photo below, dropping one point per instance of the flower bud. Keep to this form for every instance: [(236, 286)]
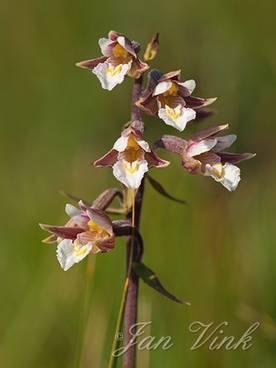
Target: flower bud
[(152, 48)]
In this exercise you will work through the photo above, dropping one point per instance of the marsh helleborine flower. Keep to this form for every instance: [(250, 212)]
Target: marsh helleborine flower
[(89, 230), (170, 99), (204, 154), (131, 157), (119, 59)]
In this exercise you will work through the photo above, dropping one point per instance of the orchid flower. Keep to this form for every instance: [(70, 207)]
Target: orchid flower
[(119, 59), (89, 230), (204, 154), (131, 157), (170, 99)]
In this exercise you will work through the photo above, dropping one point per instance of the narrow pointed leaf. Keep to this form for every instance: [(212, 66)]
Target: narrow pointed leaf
[(161, 190), (74, 198), (150, 278)]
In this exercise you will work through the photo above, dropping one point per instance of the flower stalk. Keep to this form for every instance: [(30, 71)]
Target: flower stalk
[(134, 254)]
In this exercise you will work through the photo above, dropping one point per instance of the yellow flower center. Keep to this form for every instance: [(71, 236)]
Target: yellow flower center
[(172, 91), (95, 228), (132, 142), (113, 70), (217, 170), (130, 167), (173, 113), (119, 51), (133, 151), (79, 249)]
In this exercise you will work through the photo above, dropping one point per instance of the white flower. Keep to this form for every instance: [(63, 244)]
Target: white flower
[(130, 173), (111, 75), (228, 175), (70, 252), (177, 117)]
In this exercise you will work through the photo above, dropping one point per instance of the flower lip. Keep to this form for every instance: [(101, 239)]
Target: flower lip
[(70, 253), (111, 75), (130, 173), (177, 117), (229, 176)]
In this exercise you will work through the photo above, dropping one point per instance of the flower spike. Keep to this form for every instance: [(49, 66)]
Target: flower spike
[(120, 59), (170, 99)]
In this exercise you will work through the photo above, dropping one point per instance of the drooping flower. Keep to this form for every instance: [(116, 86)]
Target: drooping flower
[(131, 157), (204, 154), (170, 99), (89, 230), (120, 59)]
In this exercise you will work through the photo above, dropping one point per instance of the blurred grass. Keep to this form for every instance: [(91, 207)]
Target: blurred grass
[(219, 252)]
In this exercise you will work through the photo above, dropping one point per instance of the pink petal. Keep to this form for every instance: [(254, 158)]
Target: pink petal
[(107, 160), (92, 63), (155, 160), (209, 132)]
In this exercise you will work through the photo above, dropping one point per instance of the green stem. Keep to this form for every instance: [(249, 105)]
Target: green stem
[(116, 340)]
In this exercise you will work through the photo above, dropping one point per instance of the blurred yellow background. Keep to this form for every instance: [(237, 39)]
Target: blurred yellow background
[(218, 253)]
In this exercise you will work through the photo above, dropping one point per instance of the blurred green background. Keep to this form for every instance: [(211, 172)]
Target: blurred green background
[(218, 252)]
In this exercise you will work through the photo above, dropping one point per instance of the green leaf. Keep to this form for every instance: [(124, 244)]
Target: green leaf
[(161, 190), (150, 278), (74, 198)]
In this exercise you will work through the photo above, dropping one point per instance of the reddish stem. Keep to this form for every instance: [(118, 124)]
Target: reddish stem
[(134, 254), (136, 92)]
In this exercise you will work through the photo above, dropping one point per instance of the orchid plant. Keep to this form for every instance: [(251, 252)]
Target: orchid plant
[(90, 229)]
